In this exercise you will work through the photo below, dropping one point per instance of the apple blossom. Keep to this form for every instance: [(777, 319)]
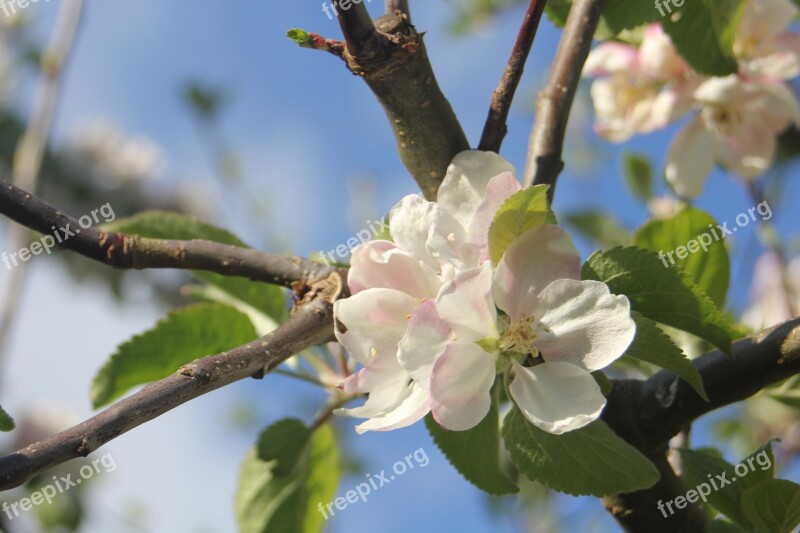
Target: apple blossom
[(736, 127), (640, 89), (552, 332), (432, 242), (763, 44)]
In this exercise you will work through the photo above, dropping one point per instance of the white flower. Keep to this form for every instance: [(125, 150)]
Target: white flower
[(736, 127), (639, 89), (763, 44), (553, 332), (390, 281)]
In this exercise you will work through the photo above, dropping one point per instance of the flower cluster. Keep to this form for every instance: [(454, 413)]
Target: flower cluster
[(736, 118), (434, 323)]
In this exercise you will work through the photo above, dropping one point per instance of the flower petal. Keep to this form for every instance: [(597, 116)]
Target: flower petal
[(533, 260), (465, 183), (690, 159), (466, 305), (586, 324), (413, 407), (500, 189), (557, 397), (461, 382), (424, 341), (374, 321), (381, 264)]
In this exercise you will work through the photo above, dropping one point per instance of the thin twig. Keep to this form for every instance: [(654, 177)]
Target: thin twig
[(131, 252), (555, 101), (496, 128), (310, 325), (33, 143)]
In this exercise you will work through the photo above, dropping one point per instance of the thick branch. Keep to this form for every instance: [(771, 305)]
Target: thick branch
[(310, 325), (555, 101), (130, 252), (649, 413), (495, 128), (398, 5), (390, 55)]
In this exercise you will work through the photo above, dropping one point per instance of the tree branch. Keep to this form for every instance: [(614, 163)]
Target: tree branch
[(495, 128), (131, 252), (390, 55), (555, 101), (310, 324), (398, 5), (649, 413)]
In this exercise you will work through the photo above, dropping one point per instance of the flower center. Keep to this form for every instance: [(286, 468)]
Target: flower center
[(721, 120), (521, 335)]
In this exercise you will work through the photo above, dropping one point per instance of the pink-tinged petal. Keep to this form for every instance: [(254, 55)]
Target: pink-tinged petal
[(461, 382), (584, 323), (381, 264), (658, 57), (465, 183), (532, 262), (424, 341), (414, 407), (749, 151), (557, 397), (609, 58), (466, 305), (690, 159), (372, 322), (500, 189)]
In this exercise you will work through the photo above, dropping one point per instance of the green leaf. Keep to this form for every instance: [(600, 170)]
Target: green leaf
[(723, 526), (475, 453), (621, 15), (526, 210), (703, 32), (592, 460), (702, 467), (663, 294), (787, 392), (691, 229), (638, 174), (279, 493), (267, 299), (183, 336), (653, 346), (284, 442), (6, 422), (618, 15), (773, 506), (600, 227)]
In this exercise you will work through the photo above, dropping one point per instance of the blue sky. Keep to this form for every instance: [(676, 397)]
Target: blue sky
[(307, 131)]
